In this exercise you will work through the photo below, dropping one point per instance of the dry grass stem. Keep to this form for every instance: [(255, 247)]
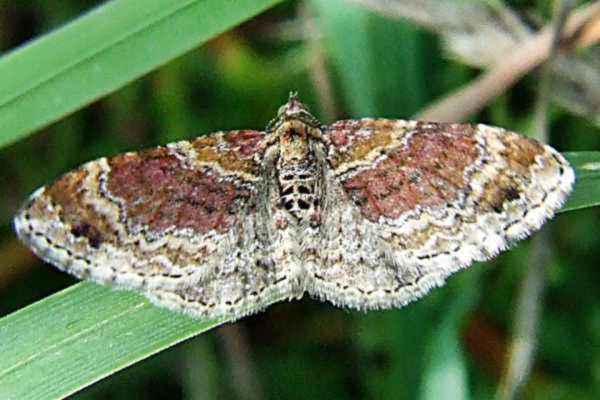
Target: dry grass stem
[(318, 70), (486, 34), (241, 367), (461, 104), (530, 302)]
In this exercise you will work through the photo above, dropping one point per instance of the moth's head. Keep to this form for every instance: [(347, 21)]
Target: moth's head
[(294, 112)]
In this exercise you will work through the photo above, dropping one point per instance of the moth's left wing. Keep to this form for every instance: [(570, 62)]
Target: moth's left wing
[(408, 203), (181, 224)]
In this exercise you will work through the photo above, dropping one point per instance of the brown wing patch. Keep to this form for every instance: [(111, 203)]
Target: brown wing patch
[(233, 151), (519, 151), (68, 194), (156, 190), (354, 140), (426, 169), (519, 154)]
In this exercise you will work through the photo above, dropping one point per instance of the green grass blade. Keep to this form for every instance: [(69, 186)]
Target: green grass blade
[(587, 185), (78, 336), (102, 51)]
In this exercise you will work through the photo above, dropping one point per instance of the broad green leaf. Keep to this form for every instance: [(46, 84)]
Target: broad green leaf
[(102, 51), (587, 185), (445, 373), (378, 60), (80, 335)]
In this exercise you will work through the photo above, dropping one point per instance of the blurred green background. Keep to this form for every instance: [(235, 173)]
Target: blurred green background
[(346, 62)]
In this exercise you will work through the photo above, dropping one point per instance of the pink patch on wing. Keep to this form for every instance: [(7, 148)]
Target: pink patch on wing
[(156, 191), (428, 172)]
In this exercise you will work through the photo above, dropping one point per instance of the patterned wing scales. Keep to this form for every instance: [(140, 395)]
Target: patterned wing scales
[(409, 203), (165, 221)]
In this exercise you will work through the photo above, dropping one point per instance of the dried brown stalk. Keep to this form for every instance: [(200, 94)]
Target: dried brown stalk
[(468, 100), (239, 359), (317, 65), (486, 34)]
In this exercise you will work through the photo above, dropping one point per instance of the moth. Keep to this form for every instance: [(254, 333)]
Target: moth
[(365, 214)]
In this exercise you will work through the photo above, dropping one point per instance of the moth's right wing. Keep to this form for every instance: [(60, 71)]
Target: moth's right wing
[(409, 203)]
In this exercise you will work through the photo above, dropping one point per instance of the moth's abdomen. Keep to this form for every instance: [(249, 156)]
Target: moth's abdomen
[(300, 191)]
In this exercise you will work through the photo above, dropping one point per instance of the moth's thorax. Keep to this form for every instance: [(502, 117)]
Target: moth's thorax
[(293, 142)]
